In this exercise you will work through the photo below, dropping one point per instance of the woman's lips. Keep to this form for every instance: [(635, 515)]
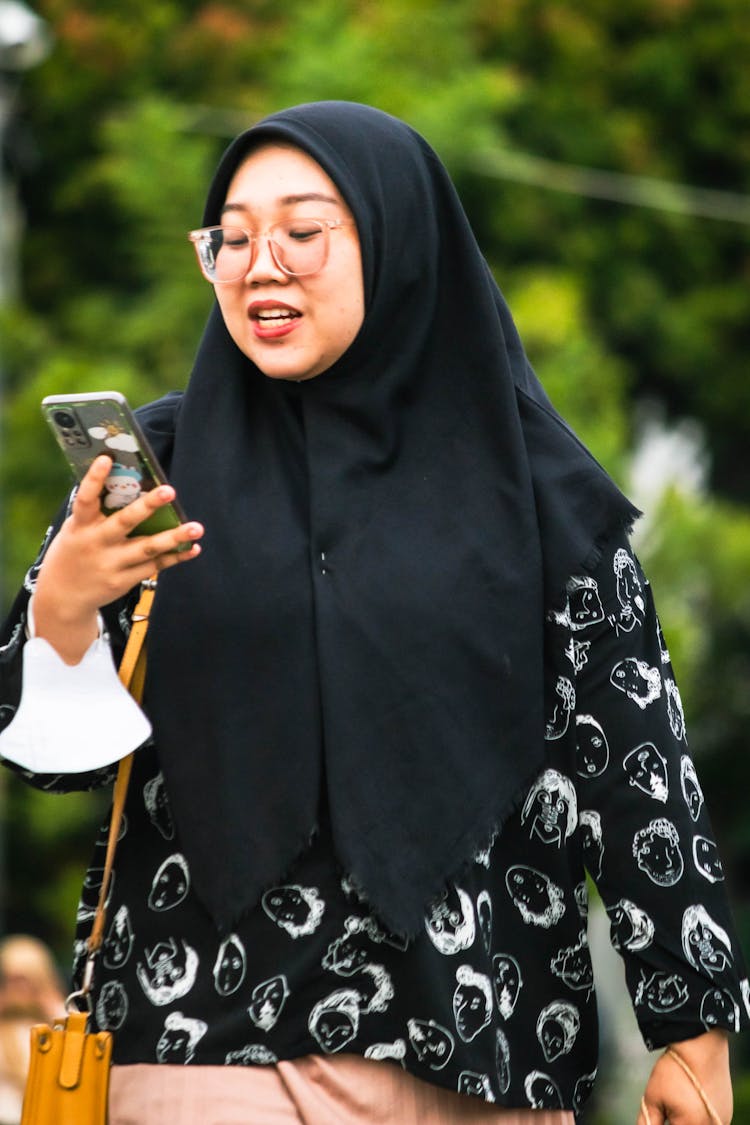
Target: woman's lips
[(271, 319)]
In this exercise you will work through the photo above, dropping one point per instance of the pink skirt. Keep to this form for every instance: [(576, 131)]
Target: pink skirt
[(315, 1090)]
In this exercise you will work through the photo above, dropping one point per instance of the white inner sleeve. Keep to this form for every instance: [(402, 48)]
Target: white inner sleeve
[(71, 718)]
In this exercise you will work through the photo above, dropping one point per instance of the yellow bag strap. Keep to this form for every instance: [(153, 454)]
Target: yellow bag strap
[(132, 674)]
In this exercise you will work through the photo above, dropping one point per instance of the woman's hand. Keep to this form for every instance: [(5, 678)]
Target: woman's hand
[(92, 562), (672, 1097)]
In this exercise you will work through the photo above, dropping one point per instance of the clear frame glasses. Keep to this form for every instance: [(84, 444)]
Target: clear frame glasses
[(299, 247)]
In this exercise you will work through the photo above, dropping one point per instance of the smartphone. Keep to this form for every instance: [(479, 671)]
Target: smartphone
[(87, 425)]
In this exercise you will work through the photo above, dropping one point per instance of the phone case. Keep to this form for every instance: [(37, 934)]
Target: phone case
[(87, 425)]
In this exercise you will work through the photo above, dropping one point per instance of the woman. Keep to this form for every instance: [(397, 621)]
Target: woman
[(30, 992), (407, 684)]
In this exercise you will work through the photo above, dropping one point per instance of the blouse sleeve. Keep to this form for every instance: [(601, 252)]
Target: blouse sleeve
[(13, 638), (645, 830)]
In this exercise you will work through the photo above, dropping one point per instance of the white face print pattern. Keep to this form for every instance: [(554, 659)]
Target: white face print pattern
[(118, 944), (230, 966), (334, 1022), (582, 1091), (550, 808), (350, 953), (702, 941), (582, 899), (542, 1091), (557, 1028), (630, 927), (629, 593), (572, 964), (484, 917), (395, 1052), (647, 770), (558, 722), (507, 982), (179, 1039), (640, 683), (584, 606), (592, 842), (745, 991), (718, 1009), (690, 785), (706, 859), (538, 899), (577, 653), (476, 1085), (252, 1054), (432, 1044), (502, 1061), (171, 883), (593, 749), (663, 650), (92, 884), (169, 971), (298, 910), (112, 1006), (472, 1002), (657, 852), (450, 921), (661, 992), (268, 998), (674, 710), (156, 804)]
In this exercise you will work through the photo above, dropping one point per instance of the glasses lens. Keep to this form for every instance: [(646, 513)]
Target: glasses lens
[(300, 245), (224, 253)]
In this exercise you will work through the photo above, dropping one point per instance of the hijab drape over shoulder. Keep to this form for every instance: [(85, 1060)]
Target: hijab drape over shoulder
[(363, 632)]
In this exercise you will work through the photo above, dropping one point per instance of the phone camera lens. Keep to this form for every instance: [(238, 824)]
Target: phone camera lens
[(64, 419)]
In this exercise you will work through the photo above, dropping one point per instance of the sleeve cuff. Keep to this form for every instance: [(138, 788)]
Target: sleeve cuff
[(72, 718)]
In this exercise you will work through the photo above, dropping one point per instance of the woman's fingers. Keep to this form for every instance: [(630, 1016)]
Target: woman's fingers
[(86, 504)]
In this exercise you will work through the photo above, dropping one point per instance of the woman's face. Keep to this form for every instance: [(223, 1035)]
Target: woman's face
[(291, 327)]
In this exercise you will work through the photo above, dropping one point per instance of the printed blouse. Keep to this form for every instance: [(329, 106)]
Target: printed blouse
[(495, 997)]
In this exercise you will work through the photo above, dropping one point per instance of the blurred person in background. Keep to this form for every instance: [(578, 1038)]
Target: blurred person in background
[(30, 992), (405, 691)]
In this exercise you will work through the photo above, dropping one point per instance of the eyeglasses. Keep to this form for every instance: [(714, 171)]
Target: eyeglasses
[(299, 247)]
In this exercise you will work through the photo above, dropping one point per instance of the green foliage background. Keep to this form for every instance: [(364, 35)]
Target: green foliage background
[(620, 306)]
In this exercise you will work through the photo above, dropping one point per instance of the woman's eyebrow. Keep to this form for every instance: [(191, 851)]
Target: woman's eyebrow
[(289, 200)]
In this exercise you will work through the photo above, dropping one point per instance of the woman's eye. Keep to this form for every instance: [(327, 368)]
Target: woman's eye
[(303, 233)]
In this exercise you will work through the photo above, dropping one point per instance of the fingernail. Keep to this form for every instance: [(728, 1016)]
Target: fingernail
[(194, 530)]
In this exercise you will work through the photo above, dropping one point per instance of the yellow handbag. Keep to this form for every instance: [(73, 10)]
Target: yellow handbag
[(68, 1078)]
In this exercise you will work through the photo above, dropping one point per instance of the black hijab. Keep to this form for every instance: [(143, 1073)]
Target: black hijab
[(363, 633)]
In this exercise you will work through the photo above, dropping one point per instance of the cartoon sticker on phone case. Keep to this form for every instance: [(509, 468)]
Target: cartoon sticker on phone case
[(122, 486)]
